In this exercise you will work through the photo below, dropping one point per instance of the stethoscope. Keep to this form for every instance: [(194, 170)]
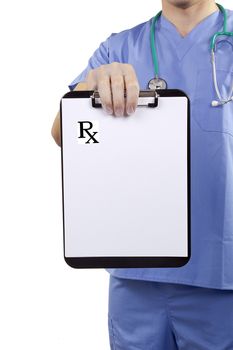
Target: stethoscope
[(159, 83)]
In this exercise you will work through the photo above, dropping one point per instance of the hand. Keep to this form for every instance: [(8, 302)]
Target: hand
[(110, 80)]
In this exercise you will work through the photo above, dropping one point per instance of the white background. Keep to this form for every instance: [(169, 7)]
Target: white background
[(44, 303)]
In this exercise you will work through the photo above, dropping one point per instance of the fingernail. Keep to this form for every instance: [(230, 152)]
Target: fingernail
[(119, 112), (130, 110), (108, 110)]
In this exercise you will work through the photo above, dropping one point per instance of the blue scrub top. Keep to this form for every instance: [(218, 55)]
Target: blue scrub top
[(185, 63)]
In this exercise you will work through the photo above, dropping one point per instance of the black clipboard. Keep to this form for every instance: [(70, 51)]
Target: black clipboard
[(126, 181)]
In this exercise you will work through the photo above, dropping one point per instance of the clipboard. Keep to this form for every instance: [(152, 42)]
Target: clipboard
[(126, 181)]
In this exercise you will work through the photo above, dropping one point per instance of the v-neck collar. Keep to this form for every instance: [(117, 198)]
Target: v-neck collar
[(183, 44)]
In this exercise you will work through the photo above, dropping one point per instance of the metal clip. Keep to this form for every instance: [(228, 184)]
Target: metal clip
[(155, 103), (147, 98)]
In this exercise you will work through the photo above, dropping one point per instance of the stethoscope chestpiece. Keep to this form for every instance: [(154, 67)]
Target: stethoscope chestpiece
[(157, 83)]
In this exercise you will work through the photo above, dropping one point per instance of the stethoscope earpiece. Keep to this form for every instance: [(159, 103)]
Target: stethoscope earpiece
[(215, 103), (220, 103)]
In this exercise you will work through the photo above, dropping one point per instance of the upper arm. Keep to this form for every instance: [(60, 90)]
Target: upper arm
[(99, 57)]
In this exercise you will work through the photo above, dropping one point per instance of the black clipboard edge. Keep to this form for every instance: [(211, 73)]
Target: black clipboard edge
[(126, 262), (161, 92), (131, 262)]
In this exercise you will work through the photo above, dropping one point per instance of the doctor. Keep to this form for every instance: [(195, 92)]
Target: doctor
[(190, 307)]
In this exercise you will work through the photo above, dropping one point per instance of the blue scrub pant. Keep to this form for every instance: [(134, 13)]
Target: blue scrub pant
[(148, 315)]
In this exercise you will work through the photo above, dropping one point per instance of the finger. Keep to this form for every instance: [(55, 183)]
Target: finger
[(117, 86), (82, 85), (91, 80), (104, 89), (132, 88)]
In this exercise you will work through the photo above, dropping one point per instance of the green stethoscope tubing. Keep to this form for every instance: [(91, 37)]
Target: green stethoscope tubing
[(212, 44), (224, 32), (152, 43)]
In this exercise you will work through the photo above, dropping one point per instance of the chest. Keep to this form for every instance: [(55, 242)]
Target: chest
[(187, 66)]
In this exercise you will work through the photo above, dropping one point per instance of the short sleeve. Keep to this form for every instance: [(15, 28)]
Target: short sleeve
[(100, 56)]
